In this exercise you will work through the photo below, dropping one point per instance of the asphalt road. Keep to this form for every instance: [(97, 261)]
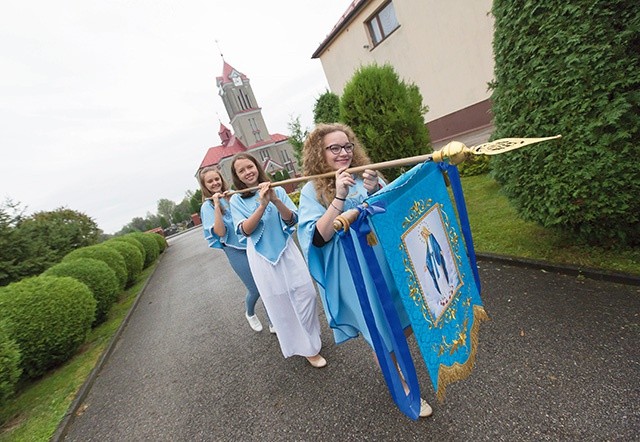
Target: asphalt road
[(559, 361)]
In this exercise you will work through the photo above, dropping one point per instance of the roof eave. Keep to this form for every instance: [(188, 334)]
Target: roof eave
[(343, 23)]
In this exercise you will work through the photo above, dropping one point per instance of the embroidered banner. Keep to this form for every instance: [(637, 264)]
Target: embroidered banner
[(434, 272)]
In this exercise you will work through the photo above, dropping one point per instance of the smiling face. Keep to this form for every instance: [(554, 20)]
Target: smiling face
[(343, 158), (246, 171), (212, 181)]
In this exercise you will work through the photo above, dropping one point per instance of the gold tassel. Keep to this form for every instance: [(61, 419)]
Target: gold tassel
[(371, 239), (458, 372)]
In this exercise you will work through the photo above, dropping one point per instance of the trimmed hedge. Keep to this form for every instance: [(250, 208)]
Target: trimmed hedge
[(135, 242), (110, 256), (571, 68), (161, 240), (132, 258), (151, 248), (10, 370), (48, 317), (97, 275)]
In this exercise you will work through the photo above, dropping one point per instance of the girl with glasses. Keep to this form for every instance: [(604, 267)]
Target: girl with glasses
[(334, 148), (267, 217)]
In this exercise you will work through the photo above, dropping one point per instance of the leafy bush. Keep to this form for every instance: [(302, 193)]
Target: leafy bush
[(161, 240), (97, 275), (132, 258), (49, 317), (110, 256), (387, 115), (29, 245), (151, 248), (9, 364), (571, 68), (295, 197), (475, 165), (135, 242)]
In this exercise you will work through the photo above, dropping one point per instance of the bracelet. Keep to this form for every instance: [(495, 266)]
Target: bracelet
[(339, 199), (339, 210)]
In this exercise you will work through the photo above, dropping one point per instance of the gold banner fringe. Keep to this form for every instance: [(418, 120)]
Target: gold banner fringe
[(458, 372)]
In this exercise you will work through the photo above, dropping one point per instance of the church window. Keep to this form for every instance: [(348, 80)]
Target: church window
[(255, 129)]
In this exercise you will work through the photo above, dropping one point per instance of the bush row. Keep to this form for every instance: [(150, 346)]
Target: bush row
[(45, 318)]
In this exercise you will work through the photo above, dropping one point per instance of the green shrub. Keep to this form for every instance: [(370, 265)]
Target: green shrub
[(49, 318), (386, 114), (474, 165), (97, 275), (151, 248), (110, 256), (135, 242), (161, 240), (132, 258), (9, 364), (295, 197), (571, 68)]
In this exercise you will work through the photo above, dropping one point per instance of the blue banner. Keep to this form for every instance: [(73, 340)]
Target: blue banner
[(415, 222)]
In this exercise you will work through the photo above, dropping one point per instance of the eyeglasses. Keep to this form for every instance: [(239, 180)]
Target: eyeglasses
[(336, 148)]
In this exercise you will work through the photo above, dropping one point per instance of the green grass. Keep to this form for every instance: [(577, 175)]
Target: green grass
[(496, 228), (34, 414), (41, 404)]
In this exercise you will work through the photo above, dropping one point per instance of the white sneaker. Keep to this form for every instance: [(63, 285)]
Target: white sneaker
[(272, 329), (425, 409), (254, 322)]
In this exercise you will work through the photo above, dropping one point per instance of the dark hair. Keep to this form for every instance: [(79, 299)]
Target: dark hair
[(237, 182)]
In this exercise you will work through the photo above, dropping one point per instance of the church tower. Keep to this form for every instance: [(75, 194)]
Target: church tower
[(250, 134), (244, 113)]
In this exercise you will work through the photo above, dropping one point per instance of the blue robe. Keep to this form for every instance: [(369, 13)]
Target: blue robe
[(230, 238), (269, 241), (329, 268)]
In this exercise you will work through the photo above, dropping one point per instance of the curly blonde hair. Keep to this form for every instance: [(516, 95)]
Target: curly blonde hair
[(315, 163)]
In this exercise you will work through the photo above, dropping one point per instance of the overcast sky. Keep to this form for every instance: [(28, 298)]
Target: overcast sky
[(108, 106)]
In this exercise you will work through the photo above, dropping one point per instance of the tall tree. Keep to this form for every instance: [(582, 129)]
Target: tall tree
[(166, 208), (327, 108), (296, 137)]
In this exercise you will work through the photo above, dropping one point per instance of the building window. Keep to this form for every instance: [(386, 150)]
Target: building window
[(264, 155), (382, 24)]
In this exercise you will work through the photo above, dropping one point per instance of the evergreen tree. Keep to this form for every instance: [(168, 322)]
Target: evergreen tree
[(387, 115), (327, 108)]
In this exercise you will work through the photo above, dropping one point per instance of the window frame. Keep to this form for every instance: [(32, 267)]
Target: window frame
[(373, 21)]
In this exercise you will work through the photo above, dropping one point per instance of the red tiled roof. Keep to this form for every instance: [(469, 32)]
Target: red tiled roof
[(278, 138), (217, 153)]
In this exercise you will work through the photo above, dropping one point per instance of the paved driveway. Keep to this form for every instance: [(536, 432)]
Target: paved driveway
[(560, 360)]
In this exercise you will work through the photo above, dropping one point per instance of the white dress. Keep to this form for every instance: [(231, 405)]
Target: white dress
[(282, 276)]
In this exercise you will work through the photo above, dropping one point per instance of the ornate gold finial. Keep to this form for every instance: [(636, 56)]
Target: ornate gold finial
[(456, 152)]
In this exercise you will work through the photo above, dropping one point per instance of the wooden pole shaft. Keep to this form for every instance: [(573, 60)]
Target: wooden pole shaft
[(375, 166)]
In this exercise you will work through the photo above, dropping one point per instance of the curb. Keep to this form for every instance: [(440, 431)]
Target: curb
[(61, 431), (567, 269)]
